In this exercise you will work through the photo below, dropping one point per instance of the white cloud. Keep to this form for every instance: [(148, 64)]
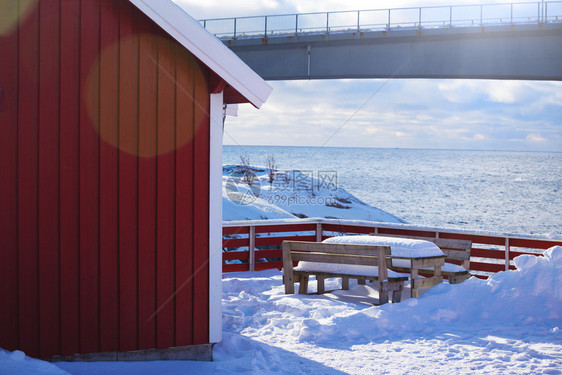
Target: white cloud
[(535, 138), (478, 137), (505, 91), (464, 91)]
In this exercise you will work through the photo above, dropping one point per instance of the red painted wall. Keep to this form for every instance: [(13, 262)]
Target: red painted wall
[(104, 153)]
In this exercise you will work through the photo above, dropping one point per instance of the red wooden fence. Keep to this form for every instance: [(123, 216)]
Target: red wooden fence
[(491, 253)]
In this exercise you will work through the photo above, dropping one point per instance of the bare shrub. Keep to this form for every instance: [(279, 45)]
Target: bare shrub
[(248, 176), (271, 165)]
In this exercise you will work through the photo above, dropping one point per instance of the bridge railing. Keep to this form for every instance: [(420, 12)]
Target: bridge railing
[(385, 19), (256, 245)]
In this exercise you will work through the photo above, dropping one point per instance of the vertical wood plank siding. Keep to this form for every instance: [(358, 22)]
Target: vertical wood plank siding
[(184, 200), (147, 189), (109, 180), (49, 91), (164, 227), (27, 163), (201, 204), (89, 175), (104, 192), (9, 313), (128, 82), (69, 176)]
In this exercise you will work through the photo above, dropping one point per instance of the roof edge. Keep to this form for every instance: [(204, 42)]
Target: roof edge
[(211, 51)]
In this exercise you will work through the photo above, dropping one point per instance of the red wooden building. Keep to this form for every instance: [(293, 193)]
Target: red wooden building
[(111, 116)]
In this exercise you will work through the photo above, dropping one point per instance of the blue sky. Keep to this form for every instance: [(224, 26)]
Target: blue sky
[(412, 113)]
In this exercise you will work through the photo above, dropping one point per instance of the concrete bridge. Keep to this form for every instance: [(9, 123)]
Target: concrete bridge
[(520, 41)]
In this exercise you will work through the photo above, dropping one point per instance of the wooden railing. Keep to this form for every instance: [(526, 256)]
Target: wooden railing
[(256, 245)]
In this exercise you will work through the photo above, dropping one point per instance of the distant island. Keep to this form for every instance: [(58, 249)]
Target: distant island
[(259, 193)]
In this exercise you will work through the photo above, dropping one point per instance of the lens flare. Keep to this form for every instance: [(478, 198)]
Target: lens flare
[(13, 12), (145, 87)]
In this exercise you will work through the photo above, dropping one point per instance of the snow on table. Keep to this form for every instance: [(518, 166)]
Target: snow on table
[(399, 247)]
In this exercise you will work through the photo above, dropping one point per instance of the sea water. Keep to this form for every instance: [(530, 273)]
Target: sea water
[(508, 192)]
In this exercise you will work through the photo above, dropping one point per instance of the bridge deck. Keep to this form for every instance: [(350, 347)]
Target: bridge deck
[(495, 41)]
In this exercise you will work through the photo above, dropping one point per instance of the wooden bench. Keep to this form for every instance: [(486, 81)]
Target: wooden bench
[(456, 250), (361, 262)]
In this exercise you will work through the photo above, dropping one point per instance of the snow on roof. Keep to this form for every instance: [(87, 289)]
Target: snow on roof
[(211, 51)]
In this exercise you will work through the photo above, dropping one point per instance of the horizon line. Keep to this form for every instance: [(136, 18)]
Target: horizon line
[(401, 148)]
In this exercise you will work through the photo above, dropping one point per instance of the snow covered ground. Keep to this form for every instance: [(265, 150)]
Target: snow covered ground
[(291, 194), (507, 324)]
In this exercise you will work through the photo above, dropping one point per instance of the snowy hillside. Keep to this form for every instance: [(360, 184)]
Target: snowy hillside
[(248, 194), (507, 324)]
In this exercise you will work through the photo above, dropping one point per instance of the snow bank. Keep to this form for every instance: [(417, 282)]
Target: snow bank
[(291, 194), (529, 296), (16, 363), (257, 210), (509, 323)]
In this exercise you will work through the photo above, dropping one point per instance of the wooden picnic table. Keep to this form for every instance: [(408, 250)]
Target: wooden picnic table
[(408, 255)]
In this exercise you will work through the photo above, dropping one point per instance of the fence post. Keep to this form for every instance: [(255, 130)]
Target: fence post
[(481, 10), (308, 58), (507, 253), (358, 21), (252, 248), (511, 12), (451, 16), (296, 24), (539, 12), (265, 35), (388, 26), (327, 22), (234, 36), (319, 232), (420, 18)]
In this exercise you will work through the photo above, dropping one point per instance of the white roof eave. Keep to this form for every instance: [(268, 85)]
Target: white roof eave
[(211, 51)]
